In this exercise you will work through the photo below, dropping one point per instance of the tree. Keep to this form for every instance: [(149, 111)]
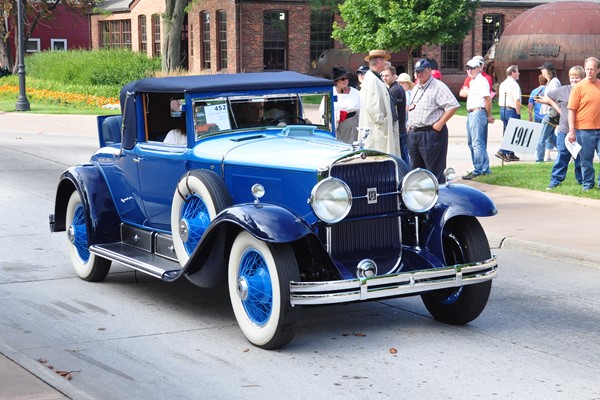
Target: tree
[(172, 24), (403, 24), (33, 13)]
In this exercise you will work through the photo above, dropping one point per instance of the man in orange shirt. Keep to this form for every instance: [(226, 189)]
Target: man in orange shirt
[(584, 120)]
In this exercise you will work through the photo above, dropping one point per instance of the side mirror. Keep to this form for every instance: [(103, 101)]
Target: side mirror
[(176, 106)]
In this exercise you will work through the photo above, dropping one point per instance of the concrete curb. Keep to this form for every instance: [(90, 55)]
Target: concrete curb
[(35, 372), (498, 241)]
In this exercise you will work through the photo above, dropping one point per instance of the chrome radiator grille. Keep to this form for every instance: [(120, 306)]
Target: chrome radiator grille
[(377, 238), (365, 175)]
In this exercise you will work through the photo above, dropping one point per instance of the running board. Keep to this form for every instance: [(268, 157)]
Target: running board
[(140, 260)]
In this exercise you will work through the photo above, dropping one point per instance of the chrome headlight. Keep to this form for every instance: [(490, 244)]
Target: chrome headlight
[(420, 190), (331, 200)]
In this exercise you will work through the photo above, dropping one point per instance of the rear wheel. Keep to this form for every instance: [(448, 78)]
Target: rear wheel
[(464, 241), (259, 287), (88, 266)]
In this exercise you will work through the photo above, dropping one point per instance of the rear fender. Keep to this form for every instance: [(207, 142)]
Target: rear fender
[(103, 221)]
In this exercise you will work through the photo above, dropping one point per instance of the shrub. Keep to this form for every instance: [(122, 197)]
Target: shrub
[(112, 67)]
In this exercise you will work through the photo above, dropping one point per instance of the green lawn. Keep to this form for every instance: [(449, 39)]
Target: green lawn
[(536, 176)]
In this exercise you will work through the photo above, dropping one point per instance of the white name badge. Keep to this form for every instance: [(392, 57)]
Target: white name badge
[(521, 136)]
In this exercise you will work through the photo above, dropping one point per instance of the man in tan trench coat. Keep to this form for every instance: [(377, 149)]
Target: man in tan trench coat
[(376, 108)]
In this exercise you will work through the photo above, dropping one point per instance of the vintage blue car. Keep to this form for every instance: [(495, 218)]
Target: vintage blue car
[(251, 188)]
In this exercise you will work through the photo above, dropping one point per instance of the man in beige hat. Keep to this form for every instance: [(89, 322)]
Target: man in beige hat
[(376, 107)]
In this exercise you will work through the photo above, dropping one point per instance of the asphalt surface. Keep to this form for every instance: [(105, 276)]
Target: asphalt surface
[(542, 223)]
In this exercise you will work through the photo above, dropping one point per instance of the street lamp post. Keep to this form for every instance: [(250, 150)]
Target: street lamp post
[(22, 102)]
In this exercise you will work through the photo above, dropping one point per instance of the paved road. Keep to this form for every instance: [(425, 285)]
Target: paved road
[(537, 339)]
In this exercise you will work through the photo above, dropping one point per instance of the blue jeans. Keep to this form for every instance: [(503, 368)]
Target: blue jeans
[(505, 115), (561, 165), (589, 139), (547, 139), (477, 133)]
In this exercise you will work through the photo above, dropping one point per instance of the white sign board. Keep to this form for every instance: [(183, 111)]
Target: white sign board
[(217, 114), (521, 136)]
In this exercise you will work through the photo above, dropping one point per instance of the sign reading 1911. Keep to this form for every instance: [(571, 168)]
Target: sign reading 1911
[(521, 136)]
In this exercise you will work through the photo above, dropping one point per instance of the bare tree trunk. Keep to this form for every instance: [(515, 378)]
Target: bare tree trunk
[(172, 26), (6, 54)]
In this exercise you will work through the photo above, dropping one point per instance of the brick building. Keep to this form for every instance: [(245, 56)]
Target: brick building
[(258, 35), (64, 30)]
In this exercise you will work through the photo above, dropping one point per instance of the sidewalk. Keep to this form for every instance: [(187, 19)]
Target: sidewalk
[(542, 223)]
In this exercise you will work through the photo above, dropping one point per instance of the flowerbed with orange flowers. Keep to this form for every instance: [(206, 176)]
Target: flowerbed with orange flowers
[(61, 97)]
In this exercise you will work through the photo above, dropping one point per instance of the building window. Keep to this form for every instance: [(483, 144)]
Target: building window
[(321, 23), (32, 45), (275, 40), (142, 34), (205, 40), (222, 43), (491, 29), (116, 34), (156, 35), (191, 41), (451, 56), (58, 44)]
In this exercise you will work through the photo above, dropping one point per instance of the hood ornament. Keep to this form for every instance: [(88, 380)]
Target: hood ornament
[(363, 134)]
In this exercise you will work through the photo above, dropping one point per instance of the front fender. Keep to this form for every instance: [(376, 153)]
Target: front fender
[(102, 218), (207, 266), (267, 222), (455, 200), (465, 200)]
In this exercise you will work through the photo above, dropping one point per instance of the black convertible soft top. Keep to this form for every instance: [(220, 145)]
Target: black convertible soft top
[(225, 83)]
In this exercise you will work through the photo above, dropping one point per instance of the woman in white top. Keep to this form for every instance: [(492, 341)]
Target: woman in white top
[(177, 135), (346, 107)]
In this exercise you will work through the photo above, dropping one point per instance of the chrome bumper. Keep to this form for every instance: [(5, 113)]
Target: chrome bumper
[(404, 283)]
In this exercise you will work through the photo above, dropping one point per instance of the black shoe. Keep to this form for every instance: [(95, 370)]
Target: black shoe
[(502, 156), (512, 157), (470, 176)]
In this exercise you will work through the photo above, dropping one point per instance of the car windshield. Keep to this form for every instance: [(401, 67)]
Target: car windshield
[(225, 114)]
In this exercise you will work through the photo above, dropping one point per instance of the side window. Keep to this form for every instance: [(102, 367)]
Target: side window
[(164, 116)]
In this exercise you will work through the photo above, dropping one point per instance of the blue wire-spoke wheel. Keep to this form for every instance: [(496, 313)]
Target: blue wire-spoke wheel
[(88, 266), (255, 287), (200, 195), (78, 230), (259, 276), (196, 217)]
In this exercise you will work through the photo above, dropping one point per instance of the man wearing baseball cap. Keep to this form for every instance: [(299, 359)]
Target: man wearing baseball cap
[(360, 74), (479, 107), (431, 106)]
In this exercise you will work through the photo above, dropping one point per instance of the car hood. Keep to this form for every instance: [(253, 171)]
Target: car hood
[(279, 151)]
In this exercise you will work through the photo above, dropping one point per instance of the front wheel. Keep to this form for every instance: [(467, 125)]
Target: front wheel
[(88, 266), (259, 288), (464, 241)]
